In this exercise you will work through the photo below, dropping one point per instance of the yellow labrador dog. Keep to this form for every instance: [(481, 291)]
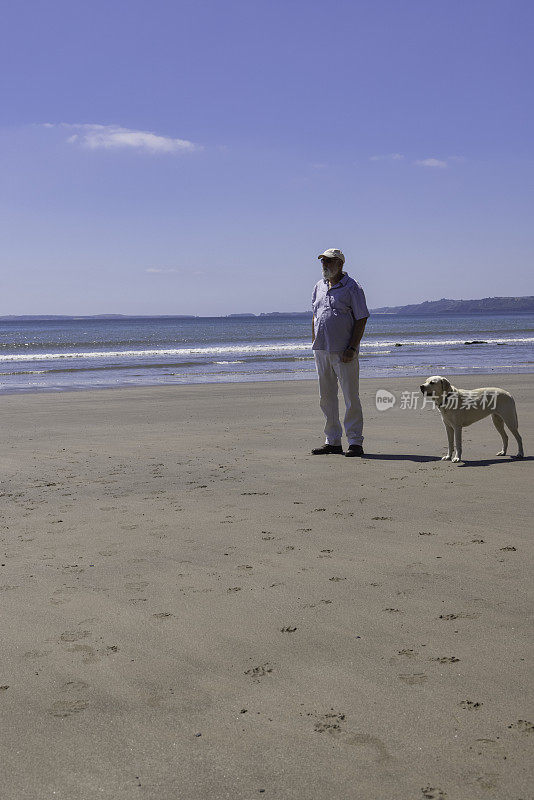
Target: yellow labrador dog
[(461, 407)]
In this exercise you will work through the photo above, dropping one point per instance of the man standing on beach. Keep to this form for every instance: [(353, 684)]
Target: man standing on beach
[(339, 317)]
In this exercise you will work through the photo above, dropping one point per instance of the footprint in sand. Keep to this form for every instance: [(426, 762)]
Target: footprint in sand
[(488, 781), (371, 750), (415, 679), (71, 704), (61, 596), (407, 653), (163, 615), (74, 636), (470, 704), (260, 671), (86, 651), (433, 793), (288, 629), (445, 660), (329, 722), (75, 685), (523, 726), (66, 708), (459, 615), (35, 653)]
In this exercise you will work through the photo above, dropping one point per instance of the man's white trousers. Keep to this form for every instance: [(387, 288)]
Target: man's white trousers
[(331, 371)]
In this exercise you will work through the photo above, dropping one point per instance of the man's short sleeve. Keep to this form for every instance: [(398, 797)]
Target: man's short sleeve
[(359, 306)]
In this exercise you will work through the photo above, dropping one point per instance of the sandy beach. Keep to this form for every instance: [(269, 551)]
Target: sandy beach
[(195, 607)]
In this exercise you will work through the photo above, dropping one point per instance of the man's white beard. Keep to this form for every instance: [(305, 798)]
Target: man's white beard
[(329, 272)]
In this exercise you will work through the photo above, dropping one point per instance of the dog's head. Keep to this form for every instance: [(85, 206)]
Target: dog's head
[(437, 387)]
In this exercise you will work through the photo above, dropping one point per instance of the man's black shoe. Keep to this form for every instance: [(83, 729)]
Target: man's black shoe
[(354, 451), (327, 450)]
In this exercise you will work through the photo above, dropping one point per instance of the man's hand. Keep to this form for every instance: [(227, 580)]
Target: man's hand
[(347, 355)]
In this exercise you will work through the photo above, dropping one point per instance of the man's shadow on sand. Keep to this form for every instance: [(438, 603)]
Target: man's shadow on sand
[(399, 457), (486, 462)]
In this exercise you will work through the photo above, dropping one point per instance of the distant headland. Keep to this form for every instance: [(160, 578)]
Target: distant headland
[(488, 305)]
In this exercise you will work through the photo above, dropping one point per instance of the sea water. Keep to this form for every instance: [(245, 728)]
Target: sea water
[(75, 354)]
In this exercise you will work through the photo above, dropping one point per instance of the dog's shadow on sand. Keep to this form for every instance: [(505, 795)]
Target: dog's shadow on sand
[(487, 462)]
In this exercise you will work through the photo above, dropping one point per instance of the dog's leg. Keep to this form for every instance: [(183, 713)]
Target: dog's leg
[(450, 439), (515, 434), (457, 444), (511, 422), (499, 424)]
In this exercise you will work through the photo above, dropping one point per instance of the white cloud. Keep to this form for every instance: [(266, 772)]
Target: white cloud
[(438, 163), (160, 271), (115, 137), (431, 162), (388, 157)]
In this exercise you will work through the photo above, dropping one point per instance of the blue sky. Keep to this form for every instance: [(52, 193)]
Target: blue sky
[(195, 157)]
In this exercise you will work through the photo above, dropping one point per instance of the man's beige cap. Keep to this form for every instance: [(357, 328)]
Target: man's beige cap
[(333, 253)]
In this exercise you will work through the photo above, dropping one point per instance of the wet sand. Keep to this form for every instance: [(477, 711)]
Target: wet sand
[(195, 607)]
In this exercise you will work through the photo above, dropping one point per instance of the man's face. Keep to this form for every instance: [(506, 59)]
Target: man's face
[(331, 267)]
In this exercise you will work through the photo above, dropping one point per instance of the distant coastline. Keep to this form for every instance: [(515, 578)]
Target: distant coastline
[(487, 305)]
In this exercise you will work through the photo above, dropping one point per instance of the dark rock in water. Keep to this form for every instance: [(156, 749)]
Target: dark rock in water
[(476, 341), (397, 344)]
